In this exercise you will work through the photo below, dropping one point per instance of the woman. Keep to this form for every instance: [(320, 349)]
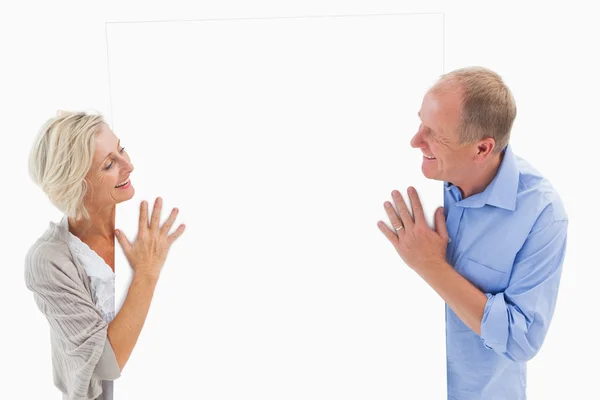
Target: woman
[(79, 163)]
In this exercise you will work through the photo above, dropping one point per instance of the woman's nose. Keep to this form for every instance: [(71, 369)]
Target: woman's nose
[(128, 166)]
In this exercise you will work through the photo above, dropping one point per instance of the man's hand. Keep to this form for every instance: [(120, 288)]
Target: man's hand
[(419, 246), (424, 250)]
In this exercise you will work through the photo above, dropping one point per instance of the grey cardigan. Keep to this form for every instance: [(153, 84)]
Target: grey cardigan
[(82, 356)]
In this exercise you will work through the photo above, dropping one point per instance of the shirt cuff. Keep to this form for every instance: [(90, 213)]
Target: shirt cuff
[(494, 324), (107, 367)]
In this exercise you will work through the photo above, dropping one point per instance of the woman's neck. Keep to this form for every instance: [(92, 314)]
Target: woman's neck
[(100, 226)]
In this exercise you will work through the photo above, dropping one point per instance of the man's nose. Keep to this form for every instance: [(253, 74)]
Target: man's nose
[(416, 141)]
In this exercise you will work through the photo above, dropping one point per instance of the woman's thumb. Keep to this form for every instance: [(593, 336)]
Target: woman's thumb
[(123, 241)]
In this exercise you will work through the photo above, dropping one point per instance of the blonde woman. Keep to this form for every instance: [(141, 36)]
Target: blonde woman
[(81, 166)]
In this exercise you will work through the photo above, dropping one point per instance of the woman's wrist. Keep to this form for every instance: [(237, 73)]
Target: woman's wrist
[(145, 277)]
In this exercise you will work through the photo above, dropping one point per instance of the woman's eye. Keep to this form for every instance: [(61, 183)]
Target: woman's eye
[(111, 164)]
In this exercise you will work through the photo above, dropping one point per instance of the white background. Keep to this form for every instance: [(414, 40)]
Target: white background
[(54, 57), (279, 139)]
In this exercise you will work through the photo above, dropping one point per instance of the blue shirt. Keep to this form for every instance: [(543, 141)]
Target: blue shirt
[(509, 241)]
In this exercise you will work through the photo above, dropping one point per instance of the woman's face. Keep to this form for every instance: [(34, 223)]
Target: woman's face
[(111, 167)]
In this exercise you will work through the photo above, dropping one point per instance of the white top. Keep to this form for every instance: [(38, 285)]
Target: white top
[(102, 280)]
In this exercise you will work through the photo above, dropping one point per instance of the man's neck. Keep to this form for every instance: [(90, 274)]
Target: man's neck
[(482, 177), (100, 226)]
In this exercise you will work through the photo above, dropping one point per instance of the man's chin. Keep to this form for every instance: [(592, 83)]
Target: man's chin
[(430, 174)]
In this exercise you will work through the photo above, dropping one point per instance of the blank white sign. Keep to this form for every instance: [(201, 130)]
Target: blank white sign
[(279, 139)]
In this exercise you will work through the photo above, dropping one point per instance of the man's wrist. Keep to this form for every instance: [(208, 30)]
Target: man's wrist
[(433, 267)]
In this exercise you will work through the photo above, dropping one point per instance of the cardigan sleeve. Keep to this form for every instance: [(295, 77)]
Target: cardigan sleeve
[(82, 353), (107, 367)]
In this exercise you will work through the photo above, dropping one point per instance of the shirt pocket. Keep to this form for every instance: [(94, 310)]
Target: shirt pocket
[(484, 277)]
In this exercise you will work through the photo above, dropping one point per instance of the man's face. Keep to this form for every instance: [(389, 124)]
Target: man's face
[(444, 159)]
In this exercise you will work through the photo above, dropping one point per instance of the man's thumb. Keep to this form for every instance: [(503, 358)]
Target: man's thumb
[(440, 223)]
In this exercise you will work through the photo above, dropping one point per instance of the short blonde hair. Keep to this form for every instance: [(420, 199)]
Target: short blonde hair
[(61, 157), (488, 107)]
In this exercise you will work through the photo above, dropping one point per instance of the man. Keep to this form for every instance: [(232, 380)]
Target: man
[(497, 250)]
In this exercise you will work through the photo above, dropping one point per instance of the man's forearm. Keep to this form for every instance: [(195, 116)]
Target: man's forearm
[(124, 330), (466, 300)]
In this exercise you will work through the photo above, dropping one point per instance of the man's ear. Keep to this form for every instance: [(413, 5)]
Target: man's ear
[(485, 148)]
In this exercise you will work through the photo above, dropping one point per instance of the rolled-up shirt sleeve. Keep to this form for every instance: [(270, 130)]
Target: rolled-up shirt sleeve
[(82, 353), (515, 322)]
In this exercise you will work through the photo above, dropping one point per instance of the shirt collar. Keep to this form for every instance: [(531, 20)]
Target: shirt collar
[(502, 190)]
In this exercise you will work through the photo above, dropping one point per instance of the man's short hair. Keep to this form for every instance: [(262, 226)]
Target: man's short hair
[(488, 108)]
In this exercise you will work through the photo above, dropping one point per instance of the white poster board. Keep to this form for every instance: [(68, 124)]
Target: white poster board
[(279, 139)]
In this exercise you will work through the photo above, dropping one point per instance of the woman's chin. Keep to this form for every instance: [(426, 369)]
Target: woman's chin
[(128, 195)]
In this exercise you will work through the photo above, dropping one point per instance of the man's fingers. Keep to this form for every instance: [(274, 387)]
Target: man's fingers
[(417, 207), (391, 213), (388, 233), (403, 212)]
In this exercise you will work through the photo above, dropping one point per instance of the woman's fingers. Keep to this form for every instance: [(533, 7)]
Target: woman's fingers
[(123, 241), (155, 220), (169, 222), (143, 217), (172, 237)]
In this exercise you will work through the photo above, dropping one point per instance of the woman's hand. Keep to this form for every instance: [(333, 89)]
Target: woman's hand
[(148, 253)]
